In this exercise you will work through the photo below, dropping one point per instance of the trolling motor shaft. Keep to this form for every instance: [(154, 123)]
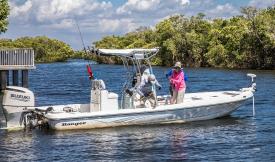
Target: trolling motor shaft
[(253, 87)]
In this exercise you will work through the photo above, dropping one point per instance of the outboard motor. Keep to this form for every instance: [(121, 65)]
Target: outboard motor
[(16, 101)]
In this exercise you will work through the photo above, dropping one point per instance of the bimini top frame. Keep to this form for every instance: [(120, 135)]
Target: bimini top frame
[(135, 57), (136, 53)]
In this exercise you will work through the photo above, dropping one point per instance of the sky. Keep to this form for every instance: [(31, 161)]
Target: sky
[(98, 18)]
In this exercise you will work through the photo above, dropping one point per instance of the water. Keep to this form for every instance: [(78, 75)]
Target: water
[(239, 137)]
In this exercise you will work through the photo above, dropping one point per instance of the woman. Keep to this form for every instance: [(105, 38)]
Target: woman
[(168, 76), (178, 84)]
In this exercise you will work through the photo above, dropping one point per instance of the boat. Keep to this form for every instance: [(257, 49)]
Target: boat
[(106, 110)]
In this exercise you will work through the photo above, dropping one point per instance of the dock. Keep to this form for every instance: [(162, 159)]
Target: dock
[(15, 64), (14, 61)]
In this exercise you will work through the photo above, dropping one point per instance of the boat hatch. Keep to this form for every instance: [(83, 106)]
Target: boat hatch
[(196, 98), (231, 94)]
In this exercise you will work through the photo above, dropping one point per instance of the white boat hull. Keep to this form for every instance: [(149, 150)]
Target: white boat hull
[(178, 113), (196, 106), (146, 118)]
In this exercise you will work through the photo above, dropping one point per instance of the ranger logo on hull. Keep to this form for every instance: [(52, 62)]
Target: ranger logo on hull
[(75, 124)]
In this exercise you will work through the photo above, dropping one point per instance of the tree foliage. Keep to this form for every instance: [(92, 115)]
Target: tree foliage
[(46, 49), (244, 41), (4, 12)]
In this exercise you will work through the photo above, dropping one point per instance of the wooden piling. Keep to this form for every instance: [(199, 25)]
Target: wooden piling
[(25, 78), (3, 79), (8, 77), (15, 78)]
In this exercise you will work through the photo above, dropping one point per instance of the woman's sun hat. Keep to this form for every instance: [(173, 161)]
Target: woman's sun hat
[(177, 65)]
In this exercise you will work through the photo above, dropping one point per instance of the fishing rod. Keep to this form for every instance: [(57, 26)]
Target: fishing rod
[(88, 66), (80, 34)]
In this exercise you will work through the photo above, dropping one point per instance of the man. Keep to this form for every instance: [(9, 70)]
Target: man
[(146, 89)]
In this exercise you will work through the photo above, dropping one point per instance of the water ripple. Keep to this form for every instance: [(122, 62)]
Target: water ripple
[(239, 137)]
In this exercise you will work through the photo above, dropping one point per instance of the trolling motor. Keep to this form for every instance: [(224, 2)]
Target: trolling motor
[(253, 89), (253, 83)]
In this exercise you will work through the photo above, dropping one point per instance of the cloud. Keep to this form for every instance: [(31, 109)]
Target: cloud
[(20, 10), (137, 5), (58, 9), (117, 25), (52, 10), (63, 24), (184, 2), (140, 6), (224, 11), (261, 3)]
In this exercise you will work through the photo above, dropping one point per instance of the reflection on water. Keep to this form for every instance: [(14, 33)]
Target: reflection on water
[(166, 142), (239, 137)]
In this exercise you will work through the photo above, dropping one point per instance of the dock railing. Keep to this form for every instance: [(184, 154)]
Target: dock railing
[(17, 59)]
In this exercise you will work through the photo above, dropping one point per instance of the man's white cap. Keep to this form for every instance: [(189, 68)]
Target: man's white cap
[(152, 78)]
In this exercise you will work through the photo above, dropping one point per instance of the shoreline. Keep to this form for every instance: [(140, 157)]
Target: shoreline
[(95, 62)]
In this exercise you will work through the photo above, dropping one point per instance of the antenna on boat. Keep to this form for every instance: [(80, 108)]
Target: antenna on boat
[(253, 86)]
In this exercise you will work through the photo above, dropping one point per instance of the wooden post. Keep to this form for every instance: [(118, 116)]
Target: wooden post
[(8, 77), (15, 80), (3, 79), (3, 119), (25, 78)]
